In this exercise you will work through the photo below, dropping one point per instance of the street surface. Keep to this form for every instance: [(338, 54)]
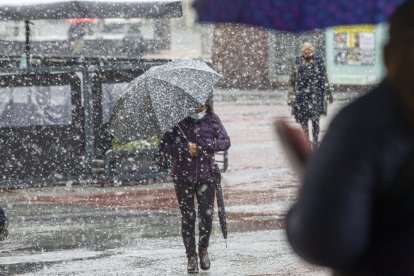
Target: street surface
[(134, 229)]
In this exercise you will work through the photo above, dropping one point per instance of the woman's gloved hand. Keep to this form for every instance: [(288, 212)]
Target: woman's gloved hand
[(193, 149)]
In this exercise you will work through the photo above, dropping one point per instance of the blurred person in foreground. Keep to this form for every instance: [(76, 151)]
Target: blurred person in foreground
[(355, 209), (309, 88), (191, 145)]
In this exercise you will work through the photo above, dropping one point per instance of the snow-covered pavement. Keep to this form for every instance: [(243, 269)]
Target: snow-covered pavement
[(135, 229)]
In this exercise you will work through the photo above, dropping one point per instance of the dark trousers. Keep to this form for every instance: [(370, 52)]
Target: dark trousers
[(204, 192), (3, 219), (315, 129)]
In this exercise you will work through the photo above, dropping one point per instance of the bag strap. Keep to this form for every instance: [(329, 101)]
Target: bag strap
[(182, 132)]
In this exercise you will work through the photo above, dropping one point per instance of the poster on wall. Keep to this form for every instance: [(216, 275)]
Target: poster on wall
[(354, 45)]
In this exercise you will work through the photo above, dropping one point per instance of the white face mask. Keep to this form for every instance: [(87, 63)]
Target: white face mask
[(198, 116)]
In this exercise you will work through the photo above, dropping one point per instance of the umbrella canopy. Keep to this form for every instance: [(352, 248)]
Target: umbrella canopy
[(295, 15), (160, 98), (63, 9)]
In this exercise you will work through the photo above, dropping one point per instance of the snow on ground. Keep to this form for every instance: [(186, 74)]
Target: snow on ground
[(252, 253), (121, 231)]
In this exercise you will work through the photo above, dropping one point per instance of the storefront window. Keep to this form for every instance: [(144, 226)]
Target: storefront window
[(354, 45)]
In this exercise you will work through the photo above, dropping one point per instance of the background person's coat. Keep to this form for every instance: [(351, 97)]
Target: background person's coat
[(309, 87), (209, 134)]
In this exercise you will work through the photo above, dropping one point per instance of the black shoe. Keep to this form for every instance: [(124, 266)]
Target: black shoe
[(192, 266), (204, 259)]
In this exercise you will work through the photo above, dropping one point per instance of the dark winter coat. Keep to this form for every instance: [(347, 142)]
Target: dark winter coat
[(209, 134), (310, 85), (356, 207)]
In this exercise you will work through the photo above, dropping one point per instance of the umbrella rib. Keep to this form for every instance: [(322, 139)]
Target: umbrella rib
[(165, 81), (174, 85), (155, 113), (159, 127), (169, 83)]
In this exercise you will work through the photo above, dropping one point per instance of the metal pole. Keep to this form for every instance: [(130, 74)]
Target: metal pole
[(27, 49), (89, 124)]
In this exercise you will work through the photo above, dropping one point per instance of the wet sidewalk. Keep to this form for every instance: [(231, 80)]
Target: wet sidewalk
[(51, 235), (135, 229)]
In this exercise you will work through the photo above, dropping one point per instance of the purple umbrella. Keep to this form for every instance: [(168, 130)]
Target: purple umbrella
[(295, 15)]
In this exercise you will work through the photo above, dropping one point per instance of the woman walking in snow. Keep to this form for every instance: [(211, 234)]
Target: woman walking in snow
[(191, 146)]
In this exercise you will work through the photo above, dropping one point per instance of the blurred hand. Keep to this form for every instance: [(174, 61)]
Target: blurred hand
[(295, 143), (298, 139), (193, 149)]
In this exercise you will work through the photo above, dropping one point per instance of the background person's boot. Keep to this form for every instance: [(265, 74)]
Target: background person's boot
[(204, 259), (315, 145), (192, 266)]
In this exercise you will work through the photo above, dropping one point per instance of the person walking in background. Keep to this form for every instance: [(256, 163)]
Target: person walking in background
[(310, 85), (191, 146), (355, 208)]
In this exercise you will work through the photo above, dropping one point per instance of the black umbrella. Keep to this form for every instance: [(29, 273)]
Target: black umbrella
[(220, 201), (160, 98)]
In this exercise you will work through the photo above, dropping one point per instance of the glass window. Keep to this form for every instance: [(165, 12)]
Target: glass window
[(35, 106), (111, 92)]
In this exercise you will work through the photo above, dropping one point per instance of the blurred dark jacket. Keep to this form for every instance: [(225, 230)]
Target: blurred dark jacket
[(356, 206), (209, 134)]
